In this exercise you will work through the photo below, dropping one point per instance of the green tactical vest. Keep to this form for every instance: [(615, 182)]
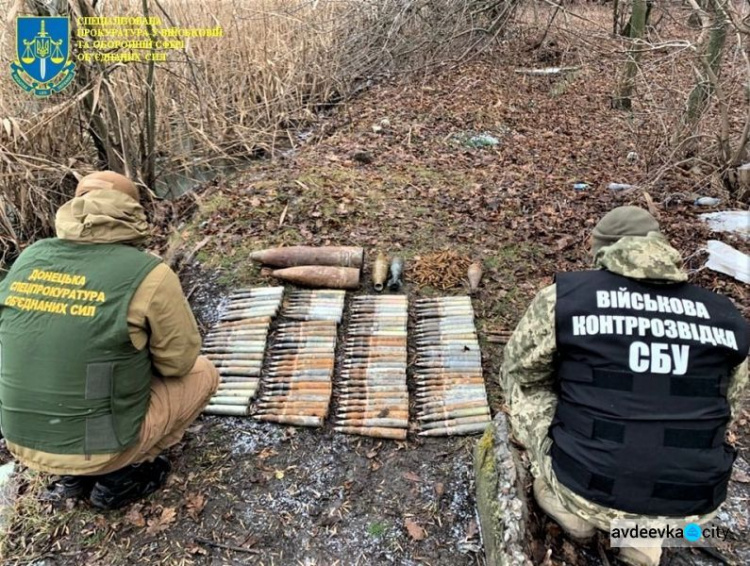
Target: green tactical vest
[(71, 381)]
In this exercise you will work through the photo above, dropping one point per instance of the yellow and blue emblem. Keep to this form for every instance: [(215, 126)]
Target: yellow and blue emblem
[(43, 66)]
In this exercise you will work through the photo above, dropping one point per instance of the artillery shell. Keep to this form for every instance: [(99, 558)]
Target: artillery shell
[(231, 400), (456, 413), (368, 413), (455, 430), (375, 422), (246, 393), (379, 272), (345, 256), (237, 387), (298, 411), (320, 276), (300, 386), (291, 419), (296, 396), (377, 432), (397, 268), (227, 410), (474, 275)]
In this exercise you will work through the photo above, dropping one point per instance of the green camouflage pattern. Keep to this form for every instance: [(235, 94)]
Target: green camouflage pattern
[(642, 257), (527, 374)]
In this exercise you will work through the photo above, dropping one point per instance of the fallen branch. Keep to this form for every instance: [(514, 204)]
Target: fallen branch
[(547, 71), (208, 542)]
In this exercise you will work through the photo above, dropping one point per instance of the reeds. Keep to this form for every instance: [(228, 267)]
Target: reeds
[(374, 400), (297, 388), (236, 346), (218, 101), (451, 395)]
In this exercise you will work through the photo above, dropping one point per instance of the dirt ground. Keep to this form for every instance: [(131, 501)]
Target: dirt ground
[(249, 493)]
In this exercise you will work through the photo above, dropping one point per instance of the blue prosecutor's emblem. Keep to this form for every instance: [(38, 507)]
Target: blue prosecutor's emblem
[(43, 66)]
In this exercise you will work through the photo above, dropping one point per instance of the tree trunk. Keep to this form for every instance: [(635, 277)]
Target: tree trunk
[(710, 66), (148, 157), (622, 100)]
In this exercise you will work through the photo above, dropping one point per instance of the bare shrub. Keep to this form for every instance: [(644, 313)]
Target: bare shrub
[(218, 101)]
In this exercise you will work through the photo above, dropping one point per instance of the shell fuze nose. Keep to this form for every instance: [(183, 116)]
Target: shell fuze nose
[(107, 180), (623, 221)]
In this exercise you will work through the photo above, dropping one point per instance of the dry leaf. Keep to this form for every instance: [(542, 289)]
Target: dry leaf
[(415, 531), (195, 504), (439, 489), (196, 549), (472, 530), (740, 476), (283, 216), (162, 522), (135, 517), (411, 476)]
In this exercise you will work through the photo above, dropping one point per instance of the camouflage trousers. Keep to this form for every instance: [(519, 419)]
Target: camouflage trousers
[(596, 515)]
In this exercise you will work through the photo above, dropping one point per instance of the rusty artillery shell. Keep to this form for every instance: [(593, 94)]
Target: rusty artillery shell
[(474, 275), (250, 323), (227, 410), (291, 419), (297, 396), (379, 272), (377, 432), (299, 386), (300, 412), (272, 404), (456, 413), (456, 430), (372, 412), (320, 276), (234, 359), (343, 256), (374, 422)]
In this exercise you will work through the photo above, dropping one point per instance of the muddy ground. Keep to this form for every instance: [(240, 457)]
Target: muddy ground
[(247, 493)]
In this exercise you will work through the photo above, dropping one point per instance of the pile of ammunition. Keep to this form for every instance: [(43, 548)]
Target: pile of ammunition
[(330, 267), (451, 396), (297, 389), (374, 400), (236, 346)]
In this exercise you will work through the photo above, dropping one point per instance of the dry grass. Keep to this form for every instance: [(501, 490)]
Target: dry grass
[(218, 101)]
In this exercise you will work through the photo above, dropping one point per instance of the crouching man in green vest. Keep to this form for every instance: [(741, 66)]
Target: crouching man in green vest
[(99, 352)]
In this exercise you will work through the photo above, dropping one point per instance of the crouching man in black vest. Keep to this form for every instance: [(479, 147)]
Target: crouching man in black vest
[(621, 382)]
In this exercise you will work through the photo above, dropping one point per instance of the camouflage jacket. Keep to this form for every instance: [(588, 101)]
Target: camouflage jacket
[(527, 374)]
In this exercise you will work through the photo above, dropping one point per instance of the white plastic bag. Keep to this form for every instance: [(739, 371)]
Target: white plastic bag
[(735, 221), (725, 259)]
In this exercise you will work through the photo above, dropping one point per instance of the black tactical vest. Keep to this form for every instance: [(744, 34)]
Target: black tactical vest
[(643, 371)]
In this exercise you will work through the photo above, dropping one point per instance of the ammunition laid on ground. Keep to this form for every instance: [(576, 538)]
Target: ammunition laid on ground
[(373, 399), (379, 272), (474, 275), (451, 395), (297, 389), (341, 256), (320, 276), (236, 346), (397, 268)]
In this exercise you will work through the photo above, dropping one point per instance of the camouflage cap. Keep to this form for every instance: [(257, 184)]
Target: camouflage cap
[(107, 180), (620, 222)]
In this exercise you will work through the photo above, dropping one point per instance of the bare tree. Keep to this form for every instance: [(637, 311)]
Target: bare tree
[(623, 98)]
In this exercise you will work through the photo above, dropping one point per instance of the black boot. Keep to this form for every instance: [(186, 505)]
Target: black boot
[(129, 484), (69, 487)]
